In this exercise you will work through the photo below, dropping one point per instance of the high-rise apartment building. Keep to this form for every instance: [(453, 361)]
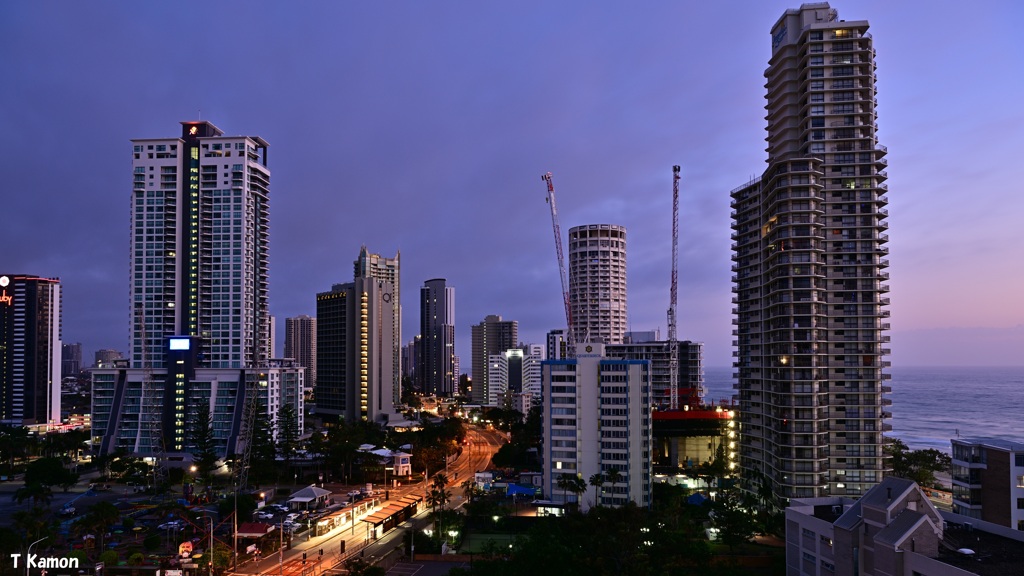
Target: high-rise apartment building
[(689, 384), (71, 360), (513, 374), (355, 350), (490, 337), (437, 368), (30, 349), (300, 344), (556, 346), (105, 358), (200, 329), (809, 268), (597, 283), (376, 266), (597, 418)]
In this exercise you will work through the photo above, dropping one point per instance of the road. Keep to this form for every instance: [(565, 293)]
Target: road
[(476, 456)]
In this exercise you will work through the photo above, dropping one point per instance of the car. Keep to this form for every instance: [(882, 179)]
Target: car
[(172, 525), (67, 510)]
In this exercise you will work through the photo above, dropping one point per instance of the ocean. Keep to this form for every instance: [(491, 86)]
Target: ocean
[(932, 405)]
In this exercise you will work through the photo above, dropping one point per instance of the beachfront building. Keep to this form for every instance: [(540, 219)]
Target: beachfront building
[(988, 480), (809, 248), (30, 350)]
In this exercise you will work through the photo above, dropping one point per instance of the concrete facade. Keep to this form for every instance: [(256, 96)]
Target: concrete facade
[(597, 283), (809, 268)]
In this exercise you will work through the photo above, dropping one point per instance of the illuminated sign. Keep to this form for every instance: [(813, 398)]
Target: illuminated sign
[(179, 344), (193, 130), (6, 298), (4, 281)]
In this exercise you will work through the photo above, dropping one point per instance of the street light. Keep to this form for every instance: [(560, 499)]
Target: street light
[(29, 553), (210, 518)]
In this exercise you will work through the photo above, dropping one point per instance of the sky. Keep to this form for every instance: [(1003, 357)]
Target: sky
[(425, 127)]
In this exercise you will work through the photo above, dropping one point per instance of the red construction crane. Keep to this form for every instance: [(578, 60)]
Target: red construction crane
[(673, 297), (569, 339)]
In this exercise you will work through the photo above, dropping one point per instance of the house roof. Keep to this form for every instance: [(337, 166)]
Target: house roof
[(254, 529), (308, 494), (900, 528)]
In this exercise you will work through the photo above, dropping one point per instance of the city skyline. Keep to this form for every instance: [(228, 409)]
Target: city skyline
[(443, 118)]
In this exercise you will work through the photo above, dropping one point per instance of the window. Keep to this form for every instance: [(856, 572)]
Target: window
[(817, 110), (1020, 503), (1018, 460)]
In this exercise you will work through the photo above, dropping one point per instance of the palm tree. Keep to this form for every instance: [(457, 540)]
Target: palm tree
[(470, 489), (614, 477), (100, 517), (572, 483), (596, 480), (36, 492)]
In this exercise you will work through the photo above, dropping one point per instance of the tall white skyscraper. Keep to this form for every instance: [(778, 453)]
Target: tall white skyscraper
[(597, 282), (809, 268), (200, 325)]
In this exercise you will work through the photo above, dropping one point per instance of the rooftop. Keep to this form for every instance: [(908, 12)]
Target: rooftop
[(993, 555)]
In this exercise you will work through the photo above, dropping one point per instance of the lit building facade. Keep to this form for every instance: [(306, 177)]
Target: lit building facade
[(369, 265), (490, 337), (597, 417), (689, 384), (355, 350), (30, 350), (597, 283), (437, 366), (809, 268), (199, 323)]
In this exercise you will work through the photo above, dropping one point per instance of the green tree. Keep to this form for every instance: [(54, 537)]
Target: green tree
[(732, 518), (109, 558), (438, 497), (202, 441), (50, 471), (288, 433), (263, 455), (14, 444), (35, 492), (572, 483), (597, 481), (917, 465)]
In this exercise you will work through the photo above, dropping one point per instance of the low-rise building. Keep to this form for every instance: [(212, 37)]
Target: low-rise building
[(988, 480), (894, 530)]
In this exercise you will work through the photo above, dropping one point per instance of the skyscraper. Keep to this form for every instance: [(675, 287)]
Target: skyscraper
[(300, 344), (437, 368), (490, 337), (71, 360), (355, 350), (200, 329), (597, 282), (376, 266), (809, 265), (30, 349)]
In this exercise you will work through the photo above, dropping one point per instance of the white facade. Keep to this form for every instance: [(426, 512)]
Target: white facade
[(369, 265), (597, 283), (597, 417), (199, 246)]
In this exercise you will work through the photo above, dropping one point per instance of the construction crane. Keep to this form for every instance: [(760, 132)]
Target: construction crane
[(570, 340), (673, 341)]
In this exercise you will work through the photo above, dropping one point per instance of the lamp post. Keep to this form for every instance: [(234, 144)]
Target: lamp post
[(210, 518), (29, 553)]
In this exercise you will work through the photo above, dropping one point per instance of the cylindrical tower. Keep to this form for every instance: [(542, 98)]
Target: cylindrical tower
[(597, 282)]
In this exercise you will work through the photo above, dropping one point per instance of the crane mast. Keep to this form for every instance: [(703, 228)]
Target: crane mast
[(674, 297), (569, 338)]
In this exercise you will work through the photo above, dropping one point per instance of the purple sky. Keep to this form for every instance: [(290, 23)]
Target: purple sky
[(425, 127)]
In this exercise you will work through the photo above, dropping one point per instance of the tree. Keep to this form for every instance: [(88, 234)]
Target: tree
[(597, 481), (917, 465), (35, 492), (287, 433), (732, 518), (100, 518), (263, 452), (201, 437), (438, 497), (50, 472), (572, 483)]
